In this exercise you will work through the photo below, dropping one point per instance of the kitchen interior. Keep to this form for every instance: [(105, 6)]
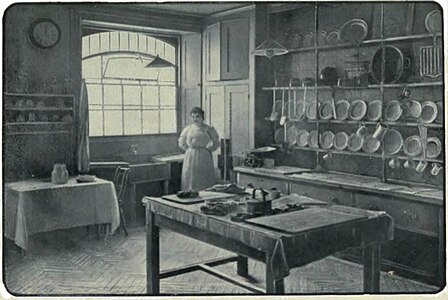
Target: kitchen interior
[(330, 171)]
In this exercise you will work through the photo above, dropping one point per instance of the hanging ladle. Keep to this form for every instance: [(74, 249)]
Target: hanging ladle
[(274, 114)]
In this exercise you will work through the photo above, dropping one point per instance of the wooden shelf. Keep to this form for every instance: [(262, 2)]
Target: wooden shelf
[(352, 122), (37, 123), (366, 43), (39, 95), (376, 155), (39, 109), (39, 133), (370, 86)]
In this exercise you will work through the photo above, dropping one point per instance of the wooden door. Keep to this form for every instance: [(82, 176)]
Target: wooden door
[(235, 49), (212, 52), (240, 127), (190, 75), (216, 113)]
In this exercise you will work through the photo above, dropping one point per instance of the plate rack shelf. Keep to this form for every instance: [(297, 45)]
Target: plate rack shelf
[(40, 131), (382, 89)]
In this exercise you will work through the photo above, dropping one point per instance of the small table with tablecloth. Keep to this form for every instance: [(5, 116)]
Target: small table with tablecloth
[(37, 205), (322, 230)]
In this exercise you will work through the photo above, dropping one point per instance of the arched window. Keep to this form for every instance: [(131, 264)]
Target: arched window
[(125, 98)]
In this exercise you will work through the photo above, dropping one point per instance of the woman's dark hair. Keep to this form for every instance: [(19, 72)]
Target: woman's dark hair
[(197, 110)]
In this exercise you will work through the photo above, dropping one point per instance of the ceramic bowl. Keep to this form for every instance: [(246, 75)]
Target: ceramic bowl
[(280, 136), (342, 108), (374, 110), (300, 110), (393, 111), (313, 139), (311, 110), (341, 140), (354, 31), (355, 142), (321, 38), (392, 142), (413, 146), (429, 112), (292, 135), (439, 118), (333, 37), (370, 145), (433, 147), (302, 137), (413, 109), (326, 111), (326, 140), (358, 109), (308, 40)]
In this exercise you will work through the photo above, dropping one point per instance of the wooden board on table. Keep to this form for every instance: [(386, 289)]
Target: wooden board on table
[(304, 220), (203, 195), (283, 170)]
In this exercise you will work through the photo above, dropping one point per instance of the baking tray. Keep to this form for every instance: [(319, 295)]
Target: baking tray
[(304, 220), (203, 195)]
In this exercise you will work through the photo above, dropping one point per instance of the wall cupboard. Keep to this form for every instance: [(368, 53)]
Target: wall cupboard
[(226, 50)]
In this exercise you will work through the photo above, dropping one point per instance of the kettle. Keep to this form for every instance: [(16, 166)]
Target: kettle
[(257, 206)]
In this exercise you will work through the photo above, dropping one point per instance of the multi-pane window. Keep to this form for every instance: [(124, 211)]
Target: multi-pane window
[(125, 97)]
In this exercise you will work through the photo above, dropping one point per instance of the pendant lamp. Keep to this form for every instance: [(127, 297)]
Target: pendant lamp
[(269, 47), (159, 63)]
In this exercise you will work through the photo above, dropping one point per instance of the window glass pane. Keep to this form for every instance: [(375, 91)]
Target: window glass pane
[(167, 74), (160, 48), (94, 43), (150, 96), (95, 123), (151, 46), (112, 95), (167, 95), (132, 122), (142, 43), (170, 54), (124, 40), (113, 123), (167, 121), (85, 46), (132, 96), (114, 45), (150, 122), (133, 41), (104, 41), (91, 67), (94, 93)]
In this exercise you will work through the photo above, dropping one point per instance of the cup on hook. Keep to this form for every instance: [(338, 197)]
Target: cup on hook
[(421, 166), (394, 163), (380, 131), (436, 168), (362, 130), (327, 156), (409, 164)]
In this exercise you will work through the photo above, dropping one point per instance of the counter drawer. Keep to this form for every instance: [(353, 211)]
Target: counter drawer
[(407, 214), (323, 193), (265, 183)]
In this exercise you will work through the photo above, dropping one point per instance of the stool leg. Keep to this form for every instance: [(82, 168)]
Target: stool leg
[(123, 221)]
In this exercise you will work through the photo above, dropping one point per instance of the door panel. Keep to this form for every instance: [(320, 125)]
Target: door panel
[(238, 98), (235, 49), (215, 113)]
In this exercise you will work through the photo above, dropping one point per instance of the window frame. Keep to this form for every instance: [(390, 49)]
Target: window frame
[(176, 86)]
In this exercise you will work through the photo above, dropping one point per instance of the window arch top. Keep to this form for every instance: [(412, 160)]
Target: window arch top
[(124, 41)]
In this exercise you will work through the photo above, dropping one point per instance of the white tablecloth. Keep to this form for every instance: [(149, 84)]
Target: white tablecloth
[(33, 206)]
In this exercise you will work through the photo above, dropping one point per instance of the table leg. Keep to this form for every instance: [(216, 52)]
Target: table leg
[(152, 255), (372, 260), (242, 266), (273, 286), (133, 205)]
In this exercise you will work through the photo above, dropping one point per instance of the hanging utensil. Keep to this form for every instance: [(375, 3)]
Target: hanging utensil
[(283, 117), (431, 61), (274, 113)]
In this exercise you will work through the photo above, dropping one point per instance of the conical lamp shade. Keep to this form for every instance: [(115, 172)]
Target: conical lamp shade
[(159, 63), (270, 48)]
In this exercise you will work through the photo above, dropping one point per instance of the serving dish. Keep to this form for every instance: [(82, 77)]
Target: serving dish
[(413, 146), (357, 110), (374, 110), (370, 144), (354, 31), (392, 142)]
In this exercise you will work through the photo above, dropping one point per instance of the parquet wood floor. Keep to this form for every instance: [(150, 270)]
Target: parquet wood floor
[(69, 262)]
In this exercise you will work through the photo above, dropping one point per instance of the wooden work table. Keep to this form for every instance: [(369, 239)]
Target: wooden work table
[(280, 251)]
